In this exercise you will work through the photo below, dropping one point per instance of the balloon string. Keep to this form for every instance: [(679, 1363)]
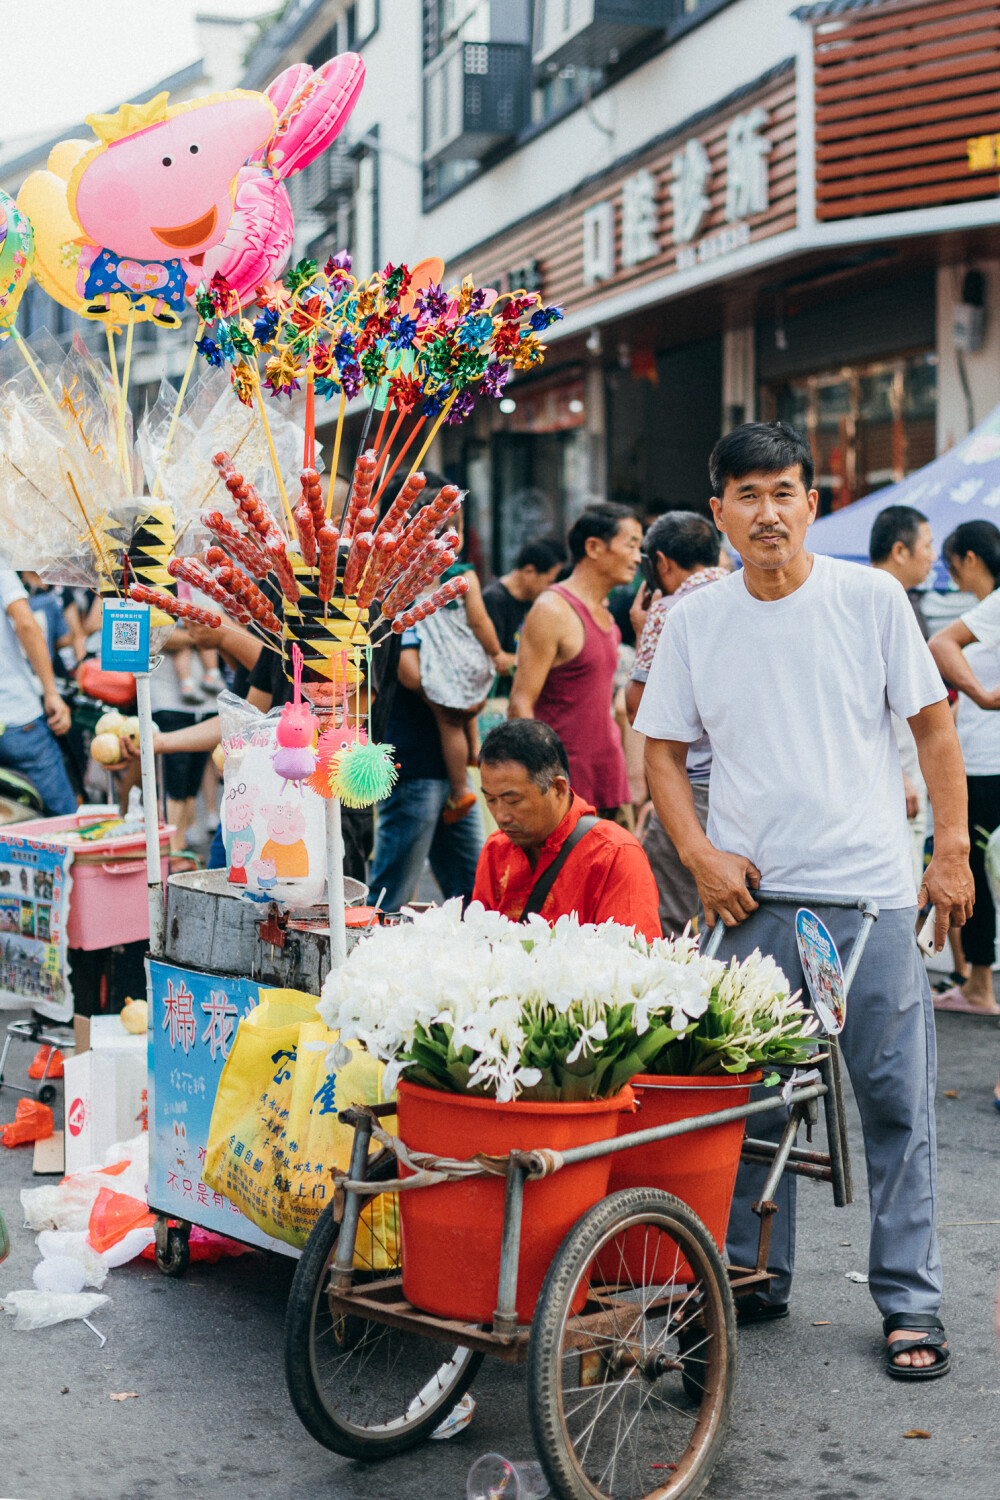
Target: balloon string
[(433, 433), (309, 455), (123, 398), (29, 361), (157, 484), (274, 457), (399, 457), (113, 360), (336, 453)]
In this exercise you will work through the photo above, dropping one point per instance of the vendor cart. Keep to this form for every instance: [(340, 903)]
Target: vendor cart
[(631, 1377)]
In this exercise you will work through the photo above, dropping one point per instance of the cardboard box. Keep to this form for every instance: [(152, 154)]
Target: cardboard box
[(105, 1093)]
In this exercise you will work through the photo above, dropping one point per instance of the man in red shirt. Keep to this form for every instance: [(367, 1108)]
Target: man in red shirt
[(605, 875)]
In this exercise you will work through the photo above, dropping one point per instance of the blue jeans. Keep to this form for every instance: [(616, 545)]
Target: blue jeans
[(408, 830), (31, 749)]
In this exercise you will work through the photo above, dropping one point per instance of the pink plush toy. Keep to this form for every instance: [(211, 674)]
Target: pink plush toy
[(295, 758)]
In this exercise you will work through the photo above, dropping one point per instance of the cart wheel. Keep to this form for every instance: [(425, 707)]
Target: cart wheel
[(630, 1395), (175, 1260), (47, 1093), (363, 1389)]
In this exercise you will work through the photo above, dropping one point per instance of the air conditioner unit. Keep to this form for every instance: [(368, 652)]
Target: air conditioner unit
[(476, 95), (593, 33)]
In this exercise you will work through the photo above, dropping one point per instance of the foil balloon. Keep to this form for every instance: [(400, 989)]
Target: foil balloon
[(16, 256), (312, 109), (122, 226)]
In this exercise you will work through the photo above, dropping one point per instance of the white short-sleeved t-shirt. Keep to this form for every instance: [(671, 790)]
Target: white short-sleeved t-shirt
[(19, 700), (796, 695)]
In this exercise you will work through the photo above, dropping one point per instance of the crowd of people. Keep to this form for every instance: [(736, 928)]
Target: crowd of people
[(802, 735)]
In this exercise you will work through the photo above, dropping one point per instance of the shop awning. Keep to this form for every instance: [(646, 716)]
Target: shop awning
[(962, 485)]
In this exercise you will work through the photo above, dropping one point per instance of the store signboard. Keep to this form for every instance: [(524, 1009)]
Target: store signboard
[(191, 1030), (907, 108), (688, 202)]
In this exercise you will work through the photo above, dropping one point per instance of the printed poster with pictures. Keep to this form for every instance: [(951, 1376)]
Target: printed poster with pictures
[(192, 1028), (34, 906)]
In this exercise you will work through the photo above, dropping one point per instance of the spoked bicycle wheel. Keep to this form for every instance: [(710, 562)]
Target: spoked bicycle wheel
[(632, 1361), (362, 1388)]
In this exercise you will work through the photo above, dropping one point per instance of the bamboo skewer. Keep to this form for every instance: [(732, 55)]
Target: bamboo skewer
[(258, 397)]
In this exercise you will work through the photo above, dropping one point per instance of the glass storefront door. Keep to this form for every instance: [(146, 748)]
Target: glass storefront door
[(869, 424)]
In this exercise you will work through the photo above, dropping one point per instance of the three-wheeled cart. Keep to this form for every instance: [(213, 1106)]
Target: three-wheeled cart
[(631, 1352)]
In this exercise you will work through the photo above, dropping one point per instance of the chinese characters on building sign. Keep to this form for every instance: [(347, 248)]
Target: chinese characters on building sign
[(746, 182)]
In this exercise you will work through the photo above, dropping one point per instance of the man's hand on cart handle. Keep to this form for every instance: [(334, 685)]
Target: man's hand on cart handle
[(724, 885), (948, 886)]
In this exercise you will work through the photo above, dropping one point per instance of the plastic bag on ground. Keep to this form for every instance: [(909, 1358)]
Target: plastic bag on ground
[(113, 1216), (33, 1309), (61, 1274), (68, 1205), (206, 1245), (62, 1243)]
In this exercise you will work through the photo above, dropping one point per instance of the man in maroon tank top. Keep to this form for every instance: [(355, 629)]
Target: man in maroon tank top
[(569, 651)]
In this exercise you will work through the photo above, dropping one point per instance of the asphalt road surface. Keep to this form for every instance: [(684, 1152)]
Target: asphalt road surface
[(814, 1413)]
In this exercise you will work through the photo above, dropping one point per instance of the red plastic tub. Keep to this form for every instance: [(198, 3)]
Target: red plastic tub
[(108, 901), (452, 1233), (699, 1168)]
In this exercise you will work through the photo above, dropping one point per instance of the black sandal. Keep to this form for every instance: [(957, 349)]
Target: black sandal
[(753, 1309), (934, 1339)]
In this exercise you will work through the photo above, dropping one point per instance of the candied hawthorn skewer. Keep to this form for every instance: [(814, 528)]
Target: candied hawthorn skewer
[(453, 589), (181, 609)]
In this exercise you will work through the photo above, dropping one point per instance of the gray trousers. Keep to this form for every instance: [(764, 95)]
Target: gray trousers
[(676, 885), (889, 1047)]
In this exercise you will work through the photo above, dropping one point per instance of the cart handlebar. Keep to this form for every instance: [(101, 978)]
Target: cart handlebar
[(864, 904)]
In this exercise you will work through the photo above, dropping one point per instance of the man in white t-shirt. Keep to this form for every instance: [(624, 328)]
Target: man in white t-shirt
[(793, 668), (27, 722)]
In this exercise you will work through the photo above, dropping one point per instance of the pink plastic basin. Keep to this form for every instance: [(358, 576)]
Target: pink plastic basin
[(108, 900)]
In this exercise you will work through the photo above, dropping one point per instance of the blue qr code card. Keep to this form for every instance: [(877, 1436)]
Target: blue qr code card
[(125, 636)]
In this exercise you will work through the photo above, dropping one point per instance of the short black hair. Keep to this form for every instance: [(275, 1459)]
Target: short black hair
[(426, 495), (547, 552), (980, 537), (685, 537), (529, 743), (601, 521), (759, 448), (897, 523)]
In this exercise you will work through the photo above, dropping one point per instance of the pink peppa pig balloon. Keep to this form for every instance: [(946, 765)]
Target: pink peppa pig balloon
[(140, 209)]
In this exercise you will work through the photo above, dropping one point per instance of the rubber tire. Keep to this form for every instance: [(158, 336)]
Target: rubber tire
[(47, 1093), (572, 1257), (306, 1399), (178, 1257)]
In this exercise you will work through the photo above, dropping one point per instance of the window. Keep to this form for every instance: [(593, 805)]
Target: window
[(869, 424), (359, 24)]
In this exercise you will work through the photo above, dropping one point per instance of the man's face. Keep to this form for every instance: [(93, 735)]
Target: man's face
[(765, 516), (915, 563), (536, 583), (525, 813), (618, 558)]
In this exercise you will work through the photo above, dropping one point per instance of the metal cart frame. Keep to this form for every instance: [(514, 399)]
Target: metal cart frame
[(381, 1301)]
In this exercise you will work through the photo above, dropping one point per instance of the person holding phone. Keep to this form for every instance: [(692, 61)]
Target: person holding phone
[(680, 553)]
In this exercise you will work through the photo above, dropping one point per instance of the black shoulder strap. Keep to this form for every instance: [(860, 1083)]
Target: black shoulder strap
[(548, 877)]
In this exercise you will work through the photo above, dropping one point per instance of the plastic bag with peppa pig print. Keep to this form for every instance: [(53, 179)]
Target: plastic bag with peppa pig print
[(273, 829)]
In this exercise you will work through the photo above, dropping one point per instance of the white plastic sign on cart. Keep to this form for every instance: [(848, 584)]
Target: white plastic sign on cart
[(822, 970)]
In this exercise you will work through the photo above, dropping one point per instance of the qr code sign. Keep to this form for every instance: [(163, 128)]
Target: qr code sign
[(125, 635)]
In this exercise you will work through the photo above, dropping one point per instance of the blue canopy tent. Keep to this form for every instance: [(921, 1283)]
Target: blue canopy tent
[(962, 485)]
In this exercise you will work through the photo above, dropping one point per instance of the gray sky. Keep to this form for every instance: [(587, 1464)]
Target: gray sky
[(64, 59)]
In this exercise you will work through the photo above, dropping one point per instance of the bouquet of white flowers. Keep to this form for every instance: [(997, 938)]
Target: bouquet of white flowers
[(564, 1012)]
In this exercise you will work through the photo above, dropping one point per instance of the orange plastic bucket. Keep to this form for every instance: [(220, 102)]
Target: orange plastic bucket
[(452, 1233), (699, 1168)]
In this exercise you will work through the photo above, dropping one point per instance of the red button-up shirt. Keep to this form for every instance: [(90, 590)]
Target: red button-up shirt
[(606, 877)]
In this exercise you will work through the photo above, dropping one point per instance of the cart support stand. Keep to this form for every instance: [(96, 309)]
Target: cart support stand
[(343, 1261), (505, 1317), (151, 812)]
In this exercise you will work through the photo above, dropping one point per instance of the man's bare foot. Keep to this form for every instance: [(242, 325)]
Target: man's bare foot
[(917, 1358), (928, 1355)]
